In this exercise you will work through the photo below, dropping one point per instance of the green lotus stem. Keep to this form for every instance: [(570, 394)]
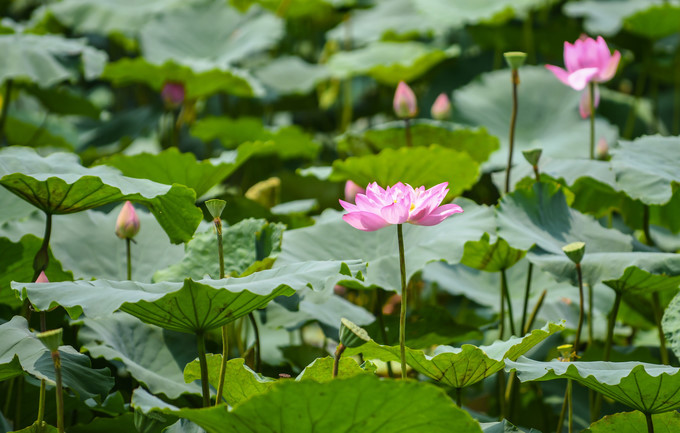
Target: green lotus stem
[(591, 90), (527, 290), (534, 312), (513, 121), (590, 315), (347, 104), (645, 226), (56, 359), (563, 411), (501, 327), (639, 90), (129, 258), (658, 316), (571, 405), (506, 294), (650, 423), (8, 398), (258, 356), (402, 314), (407, 131), (5, 110), (378, 312), (203, 362), (501, 394), (336, 359), (225, 334), (41, 403), (579, 274), (459, 397), (611, 324), (42, 257)]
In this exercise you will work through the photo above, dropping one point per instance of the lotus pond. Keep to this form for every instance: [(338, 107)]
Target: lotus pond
[(340, 216)]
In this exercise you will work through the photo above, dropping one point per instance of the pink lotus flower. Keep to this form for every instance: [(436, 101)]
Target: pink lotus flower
[(586, 60), (352, 189), (398, 204), (404, 103), (42, 278), (127, 224), (173, 94), (441, 109)]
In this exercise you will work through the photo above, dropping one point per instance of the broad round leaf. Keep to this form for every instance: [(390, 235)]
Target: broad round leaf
[(635, 422)]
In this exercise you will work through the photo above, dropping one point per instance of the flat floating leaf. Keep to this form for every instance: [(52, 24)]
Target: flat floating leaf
[(635, 422), (58, 184), (649, 388), (360, 403), (464, 366)]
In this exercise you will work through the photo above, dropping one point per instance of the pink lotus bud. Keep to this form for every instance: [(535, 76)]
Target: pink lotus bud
[(42, 278), (351, 190), (584, 103), (127, 224), (441, 109), (602, 149), (405, 105), (173, 94)]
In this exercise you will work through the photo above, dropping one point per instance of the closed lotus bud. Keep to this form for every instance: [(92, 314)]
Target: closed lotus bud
[(441, 109), (127, 224), (352, 335), (602, 149), (351, 191), (42, 278), (173, 94), (405, 104)]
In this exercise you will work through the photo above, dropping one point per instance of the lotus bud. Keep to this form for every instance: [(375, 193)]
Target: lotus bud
[(515, 59), (405, 104), (51, 339), (602, 149), (127, 224), (575, 251), (352, 335), (173, 94), (351, 191), (42, 278), (215, 207), (441, 109)]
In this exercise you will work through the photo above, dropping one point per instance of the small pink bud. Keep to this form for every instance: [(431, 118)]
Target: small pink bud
[(405, 105), (441, 109), (127, 224), (173, 94), (602, 149), (351, 191), (42, 278)]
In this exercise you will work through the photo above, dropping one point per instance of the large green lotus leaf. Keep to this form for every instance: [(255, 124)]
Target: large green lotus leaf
[(171, 166), (213, 35), (416, 166), (638, 281), (635, 422), (108, 17), (63, 100), (16, 264), (240, 382), (605, 17), (18, 342), (86, 244), (38, 129), (321, 370), (360, 403), (331, 238), (655, 22), (199, 80), (292, 75), (671, 324), (458, 13), (154, 357), (478, 143), (504, 426), (389, 62), (116, 424), (244, 244), (649, 388), (33, 428), (13, 207), (490, 257), (58, 184), (646, 168), (38, 58), (189, 306), (487, 103), (230, 131), (459, 367)]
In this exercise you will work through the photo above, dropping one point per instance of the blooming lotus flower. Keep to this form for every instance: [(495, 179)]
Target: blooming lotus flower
[(352, 189), (586, 60), (127, 224), (441, 109), (398, 204), (404, 102), (173, 94), (42, 278)]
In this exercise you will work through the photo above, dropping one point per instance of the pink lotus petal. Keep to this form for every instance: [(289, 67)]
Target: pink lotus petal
[(365, 221), (349, 207), (571, 56), (560, 73), (396, 213), (610, 69), (439, 215), (579, 80), (42, 278)]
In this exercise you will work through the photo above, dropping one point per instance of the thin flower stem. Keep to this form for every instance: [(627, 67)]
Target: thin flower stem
[(256, 331), (611, 324), (563, 411), (506, 292), (591, 90), (590, 315), (129, 258), (658, 315), (402, 314), (527, 290), (650, 423), (42, 257), (571, 405), (534, 312), (501, 329), (459, 397), (407, 130), (41, 403), (513, 121), (645, 226), (336, 359), (577, 341), (203, 362), (381, 322), (5, 110), (225, 333), (56, 359)]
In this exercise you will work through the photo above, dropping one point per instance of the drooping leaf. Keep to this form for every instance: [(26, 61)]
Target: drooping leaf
[(478, 143), (485, 256), (189, 306), (332, 238), (635, 422), (638, 281), (464, 366), (416, 166), (152, 356), (58, 184), (358, 403), (649, 388), (18, 343)]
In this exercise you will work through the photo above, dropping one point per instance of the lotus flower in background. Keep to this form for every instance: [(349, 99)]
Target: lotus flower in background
[(441, 109), (42, 278), (404, 103), (127, 224), (398, 204), (173, 94), (352, 189)]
